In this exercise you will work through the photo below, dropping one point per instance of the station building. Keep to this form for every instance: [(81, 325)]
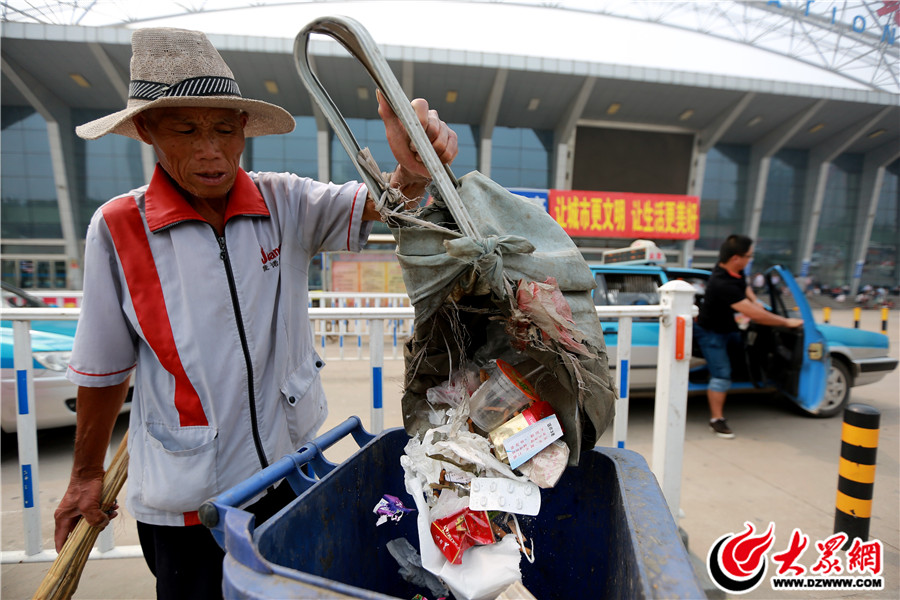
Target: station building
[(678, 122)]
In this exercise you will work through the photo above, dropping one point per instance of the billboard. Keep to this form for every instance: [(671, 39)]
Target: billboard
[(626, 215)]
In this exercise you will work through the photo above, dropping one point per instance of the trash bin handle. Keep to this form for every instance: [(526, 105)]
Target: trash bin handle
[(286, 466), (357, 41)]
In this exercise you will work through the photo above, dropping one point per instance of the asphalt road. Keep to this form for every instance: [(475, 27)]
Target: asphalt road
[(781, 468)]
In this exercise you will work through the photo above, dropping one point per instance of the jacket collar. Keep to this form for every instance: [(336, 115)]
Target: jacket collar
[(165, 206)]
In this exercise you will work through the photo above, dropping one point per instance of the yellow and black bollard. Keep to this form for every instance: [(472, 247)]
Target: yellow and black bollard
[(884, 319), (856, 473), (826, 314), (857, 312)]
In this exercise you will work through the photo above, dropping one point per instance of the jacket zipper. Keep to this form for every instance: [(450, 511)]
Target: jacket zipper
[(254, 425)]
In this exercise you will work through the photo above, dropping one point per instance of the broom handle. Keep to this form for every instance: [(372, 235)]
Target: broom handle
[(356, 39), (62, 579)]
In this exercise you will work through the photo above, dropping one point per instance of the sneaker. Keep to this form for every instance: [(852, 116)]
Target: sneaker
[(720, 428)]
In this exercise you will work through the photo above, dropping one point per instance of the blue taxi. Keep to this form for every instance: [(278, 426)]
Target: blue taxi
[(815, 366), (51, 347)]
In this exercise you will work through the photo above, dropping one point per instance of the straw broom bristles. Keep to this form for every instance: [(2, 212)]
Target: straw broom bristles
[(62, 579)]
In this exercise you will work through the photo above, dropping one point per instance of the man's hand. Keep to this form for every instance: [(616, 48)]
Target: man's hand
[(442, 138), (82, 499), (760, 315), (98, 409)]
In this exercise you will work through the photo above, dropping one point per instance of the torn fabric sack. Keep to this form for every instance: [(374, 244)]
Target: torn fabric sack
[(521, 279)]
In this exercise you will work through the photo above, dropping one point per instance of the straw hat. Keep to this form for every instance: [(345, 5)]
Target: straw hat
[(176, 67)]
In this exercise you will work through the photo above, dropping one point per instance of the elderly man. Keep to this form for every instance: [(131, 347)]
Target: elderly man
[(197, 285)]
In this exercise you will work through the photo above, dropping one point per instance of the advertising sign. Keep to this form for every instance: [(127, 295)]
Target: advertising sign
[(626, 215)]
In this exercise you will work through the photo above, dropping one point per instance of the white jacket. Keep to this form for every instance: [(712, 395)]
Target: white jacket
[(216, 330)]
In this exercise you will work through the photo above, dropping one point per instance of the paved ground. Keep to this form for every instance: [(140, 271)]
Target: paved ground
[(781, 468)]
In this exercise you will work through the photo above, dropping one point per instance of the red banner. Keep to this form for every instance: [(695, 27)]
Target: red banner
[(625, 215)]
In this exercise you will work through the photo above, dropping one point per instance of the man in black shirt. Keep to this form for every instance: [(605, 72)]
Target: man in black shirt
[(727, 292)]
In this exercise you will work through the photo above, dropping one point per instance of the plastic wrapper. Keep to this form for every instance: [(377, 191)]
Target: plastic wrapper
[(534, 413), (458, 532), (411, 568), (389, 508)]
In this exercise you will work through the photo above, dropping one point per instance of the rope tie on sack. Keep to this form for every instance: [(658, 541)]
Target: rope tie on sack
[(486, 255)]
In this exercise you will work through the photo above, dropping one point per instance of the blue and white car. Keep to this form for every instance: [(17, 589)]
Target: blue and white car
[(815, 366), (51, 347)]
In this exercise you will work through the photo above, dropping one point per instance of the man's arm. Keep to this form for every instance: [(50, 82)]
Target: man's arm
[(751, 295), (96, 410), (760, 315)]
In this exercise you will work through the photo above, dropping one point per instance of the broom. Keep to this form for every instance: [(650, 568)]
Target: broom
[(63, 577)]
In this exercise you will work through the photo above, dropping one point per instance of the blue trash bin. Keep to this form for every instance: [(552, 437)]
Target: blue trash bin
[(604, 531)]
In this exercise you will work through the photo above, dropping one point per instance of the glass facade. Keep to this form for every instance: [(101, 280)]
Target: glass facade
[(521, 157), (370, 133), (881, 268), (781, 222), (105, 168), (723, 201), (831, 261), (294, 152), (467, 159), (29, 205)]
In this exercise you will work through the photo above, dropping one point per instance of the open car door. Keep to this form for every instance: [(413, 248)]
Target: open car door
[(800, 359)]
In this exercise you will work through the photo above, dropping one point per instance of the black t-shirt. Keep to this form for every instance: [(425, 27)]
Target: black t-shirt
[(722, 290)]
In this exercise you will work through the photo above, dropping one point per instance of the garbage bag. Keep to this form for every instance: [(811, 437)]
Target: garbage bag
[(514, 272)]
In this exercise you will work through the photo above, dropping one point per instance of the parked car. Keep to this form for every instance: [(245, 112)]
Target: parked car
[(51, 347), (815, 366)]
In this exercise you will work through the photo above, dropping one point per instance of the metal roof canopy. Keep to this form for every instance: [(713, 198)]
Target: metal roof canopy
[(649, 98)]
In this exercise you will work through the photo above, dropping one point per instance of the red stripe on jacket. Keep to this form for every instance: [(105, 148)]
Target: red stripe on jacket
[(352, 206), (130, 239)]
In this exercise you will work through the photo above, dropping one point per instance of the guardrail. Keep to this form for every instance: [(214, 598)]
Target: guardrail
[(675, 312), (349, 326)]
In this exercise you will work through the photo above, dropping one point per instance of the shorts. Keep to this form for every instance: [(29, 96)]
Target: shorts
[(714, 346)]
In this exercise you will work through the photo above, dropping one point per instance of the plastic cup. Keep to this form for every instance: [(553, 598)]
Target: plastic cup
[(499, 398)]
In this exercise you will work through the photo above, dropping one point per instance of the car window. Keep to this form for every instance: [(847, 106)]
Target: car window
[(778, 296), (697, 282), (626, 289)]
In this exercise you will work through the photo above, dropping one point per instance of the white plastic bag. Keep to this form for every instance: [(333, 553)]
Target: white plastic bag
[(485, 570)]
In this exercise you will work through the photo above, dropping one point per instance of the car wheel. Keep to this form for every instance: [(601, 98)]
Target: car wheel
[(837, 391)]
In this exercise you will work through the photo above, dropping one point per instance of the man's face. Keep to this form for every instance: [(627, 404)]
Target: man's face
[(200, 148)]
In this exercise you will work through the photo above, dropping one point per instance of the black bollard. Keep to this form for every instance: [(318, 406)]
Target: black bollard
[(856, 473)]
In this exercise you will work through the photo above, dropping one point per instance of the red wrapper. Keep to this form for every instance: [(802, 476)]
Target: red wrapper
[(538, 410), (460, 531)]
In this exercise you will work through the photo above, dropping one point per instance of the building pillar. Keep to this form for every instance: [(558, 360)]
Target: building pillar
[(61, 138), (704, 141), (323, 145), (820, 160), (874, 164), (489, 121), (564, 136), (407, 78), (761, 155)]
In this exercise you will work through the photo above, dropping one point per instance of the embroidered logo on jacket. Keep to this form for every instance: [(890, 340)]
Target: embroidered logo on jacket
[(270, 259)]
